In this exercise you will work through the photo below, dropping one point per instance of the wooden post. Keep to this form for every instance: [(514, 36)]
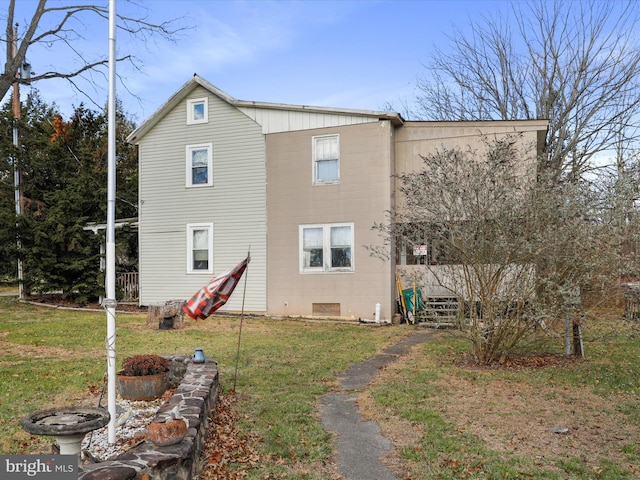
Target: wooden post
[(572, 303), (578, 347), (567, 332), (415, 299)]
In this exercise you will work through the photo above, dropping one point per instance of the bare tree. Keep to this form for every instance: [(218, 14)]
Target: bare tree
[(60, 31), (576, 64), (506, 246)]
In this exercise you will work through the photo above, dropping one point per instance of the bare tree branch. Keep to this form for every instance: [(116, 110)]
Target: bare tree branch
[(62, 32), (570, 63), (475, 224)]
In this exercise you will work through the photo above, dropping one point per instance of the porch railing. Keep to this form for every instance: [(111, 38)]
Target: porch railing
[(127, 286)]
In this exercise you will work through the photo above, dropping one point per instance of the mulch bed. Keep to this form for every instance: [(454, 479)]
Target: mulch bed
[(522, 361), (59, 301)]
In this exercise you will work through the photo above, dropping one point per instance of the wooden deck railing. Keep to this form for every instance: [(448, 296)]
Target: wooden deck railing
[(127, 285)]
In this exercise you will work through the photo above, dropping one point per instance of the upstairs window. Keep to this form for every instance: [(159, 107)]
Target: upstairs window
[(197, 111), (199, 165), (326, 248), (200, 248), (326, 160)]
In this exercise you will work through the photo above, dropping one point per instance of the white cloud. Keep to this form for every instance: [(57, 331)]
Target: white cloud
[(331, 53)]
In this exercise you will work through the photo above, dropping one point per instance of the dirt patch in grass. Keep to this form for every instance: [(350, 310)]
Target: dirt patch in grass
[(542, 423), (545, 424), (35, 352), (523, 361), (55, 300)]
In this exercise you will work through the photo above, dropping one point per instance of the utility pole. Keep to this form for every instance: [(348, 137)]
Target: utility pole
[(17, 174)]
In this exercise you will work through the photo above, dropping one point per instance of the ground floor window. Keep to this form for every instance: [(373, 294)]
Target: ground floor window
[(326, 248), (200, 248)]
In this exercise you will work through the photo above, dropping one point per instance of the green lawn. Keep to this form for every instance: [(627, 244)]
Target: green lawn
[(8, 288), (446, 419), (51, 357), (496, 423)]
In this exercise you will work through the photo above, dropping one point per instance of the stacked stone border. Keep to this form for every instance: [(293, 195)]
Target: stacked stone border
[(195, 396)]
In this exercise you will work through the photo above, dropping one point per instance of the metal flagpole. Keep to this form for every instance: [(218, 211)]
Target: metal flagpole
[(110, 283), (244, 293)]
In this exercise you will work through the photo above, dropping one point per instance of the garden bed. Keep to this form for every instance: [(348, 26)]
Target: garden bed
[(194, 398)]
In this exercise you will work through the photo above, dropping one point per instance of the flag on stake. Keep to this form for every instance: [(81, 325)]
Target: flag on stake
[(214, 295)]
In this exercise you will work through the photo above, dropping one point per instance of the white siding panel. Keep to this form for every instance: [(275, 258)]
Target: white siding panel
[(236, 204), (275, 120)]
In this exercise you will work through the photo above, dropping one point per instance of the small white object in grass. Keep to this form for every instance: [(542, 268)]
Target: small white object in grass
[(559, 429)]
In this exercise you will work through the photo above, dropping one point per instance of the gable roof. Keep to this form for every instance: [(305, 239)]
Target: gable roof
[(197, 81)]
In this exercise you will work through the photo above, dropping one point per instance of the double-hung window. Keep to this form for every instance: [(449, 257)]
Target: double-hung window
[(200, 248), (326, 248), (326, 159), (199, 165), (197, 111)]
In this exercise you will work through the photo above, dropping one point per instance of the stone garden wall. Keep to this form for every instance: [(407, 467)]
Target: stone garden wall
[(195, 397)]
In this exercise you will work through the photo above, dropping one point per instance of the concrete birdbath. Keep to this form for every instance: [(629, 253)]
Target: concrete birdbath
[(68, 425)]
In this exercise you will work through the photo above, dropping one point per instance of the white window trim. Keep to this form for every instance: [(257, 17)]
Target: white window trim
[(190, 117), (314, 180), (189, 166), (199, 226), (326, 246)]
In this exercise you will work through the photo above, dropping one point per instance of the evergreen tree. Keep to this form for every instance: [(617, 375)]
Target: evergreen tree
[(64, 177), (8, 268)]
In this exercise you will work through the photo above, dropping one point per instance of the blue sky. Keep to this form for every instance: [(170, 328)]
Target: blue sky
[(360, 54)]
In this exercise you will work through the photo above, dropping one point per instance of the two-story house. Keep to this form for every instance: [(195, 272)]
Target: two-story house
[(300, 187)]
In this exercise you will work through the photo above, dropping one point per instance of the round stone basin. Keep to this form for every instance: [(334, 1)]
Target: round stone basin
[(67, 424)]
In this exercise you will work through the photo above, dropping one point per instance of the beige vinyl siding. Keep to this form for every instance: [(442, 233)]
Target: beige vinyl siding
[(423, 138), (417, 139), (235, 204), (361, 197)]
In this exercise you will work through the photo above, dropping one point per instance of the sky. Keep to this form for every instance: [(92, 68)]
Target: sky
[(361, 54)]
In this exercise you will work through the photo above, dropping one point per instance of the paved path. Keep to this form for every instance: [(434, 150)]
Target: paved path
[(359, 444)]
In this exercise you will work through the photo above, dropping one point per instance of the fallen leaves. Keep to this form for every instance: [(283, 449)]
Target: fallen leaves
[(517, 362), (228, 455)]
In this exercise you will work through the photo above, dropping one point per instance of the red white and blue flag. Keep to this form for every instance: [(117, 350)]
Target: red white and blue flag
[(214, 295)]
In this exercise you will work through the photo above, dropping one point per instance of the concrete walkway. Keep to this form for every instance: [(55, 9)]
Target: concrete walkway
[(359, 444)]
